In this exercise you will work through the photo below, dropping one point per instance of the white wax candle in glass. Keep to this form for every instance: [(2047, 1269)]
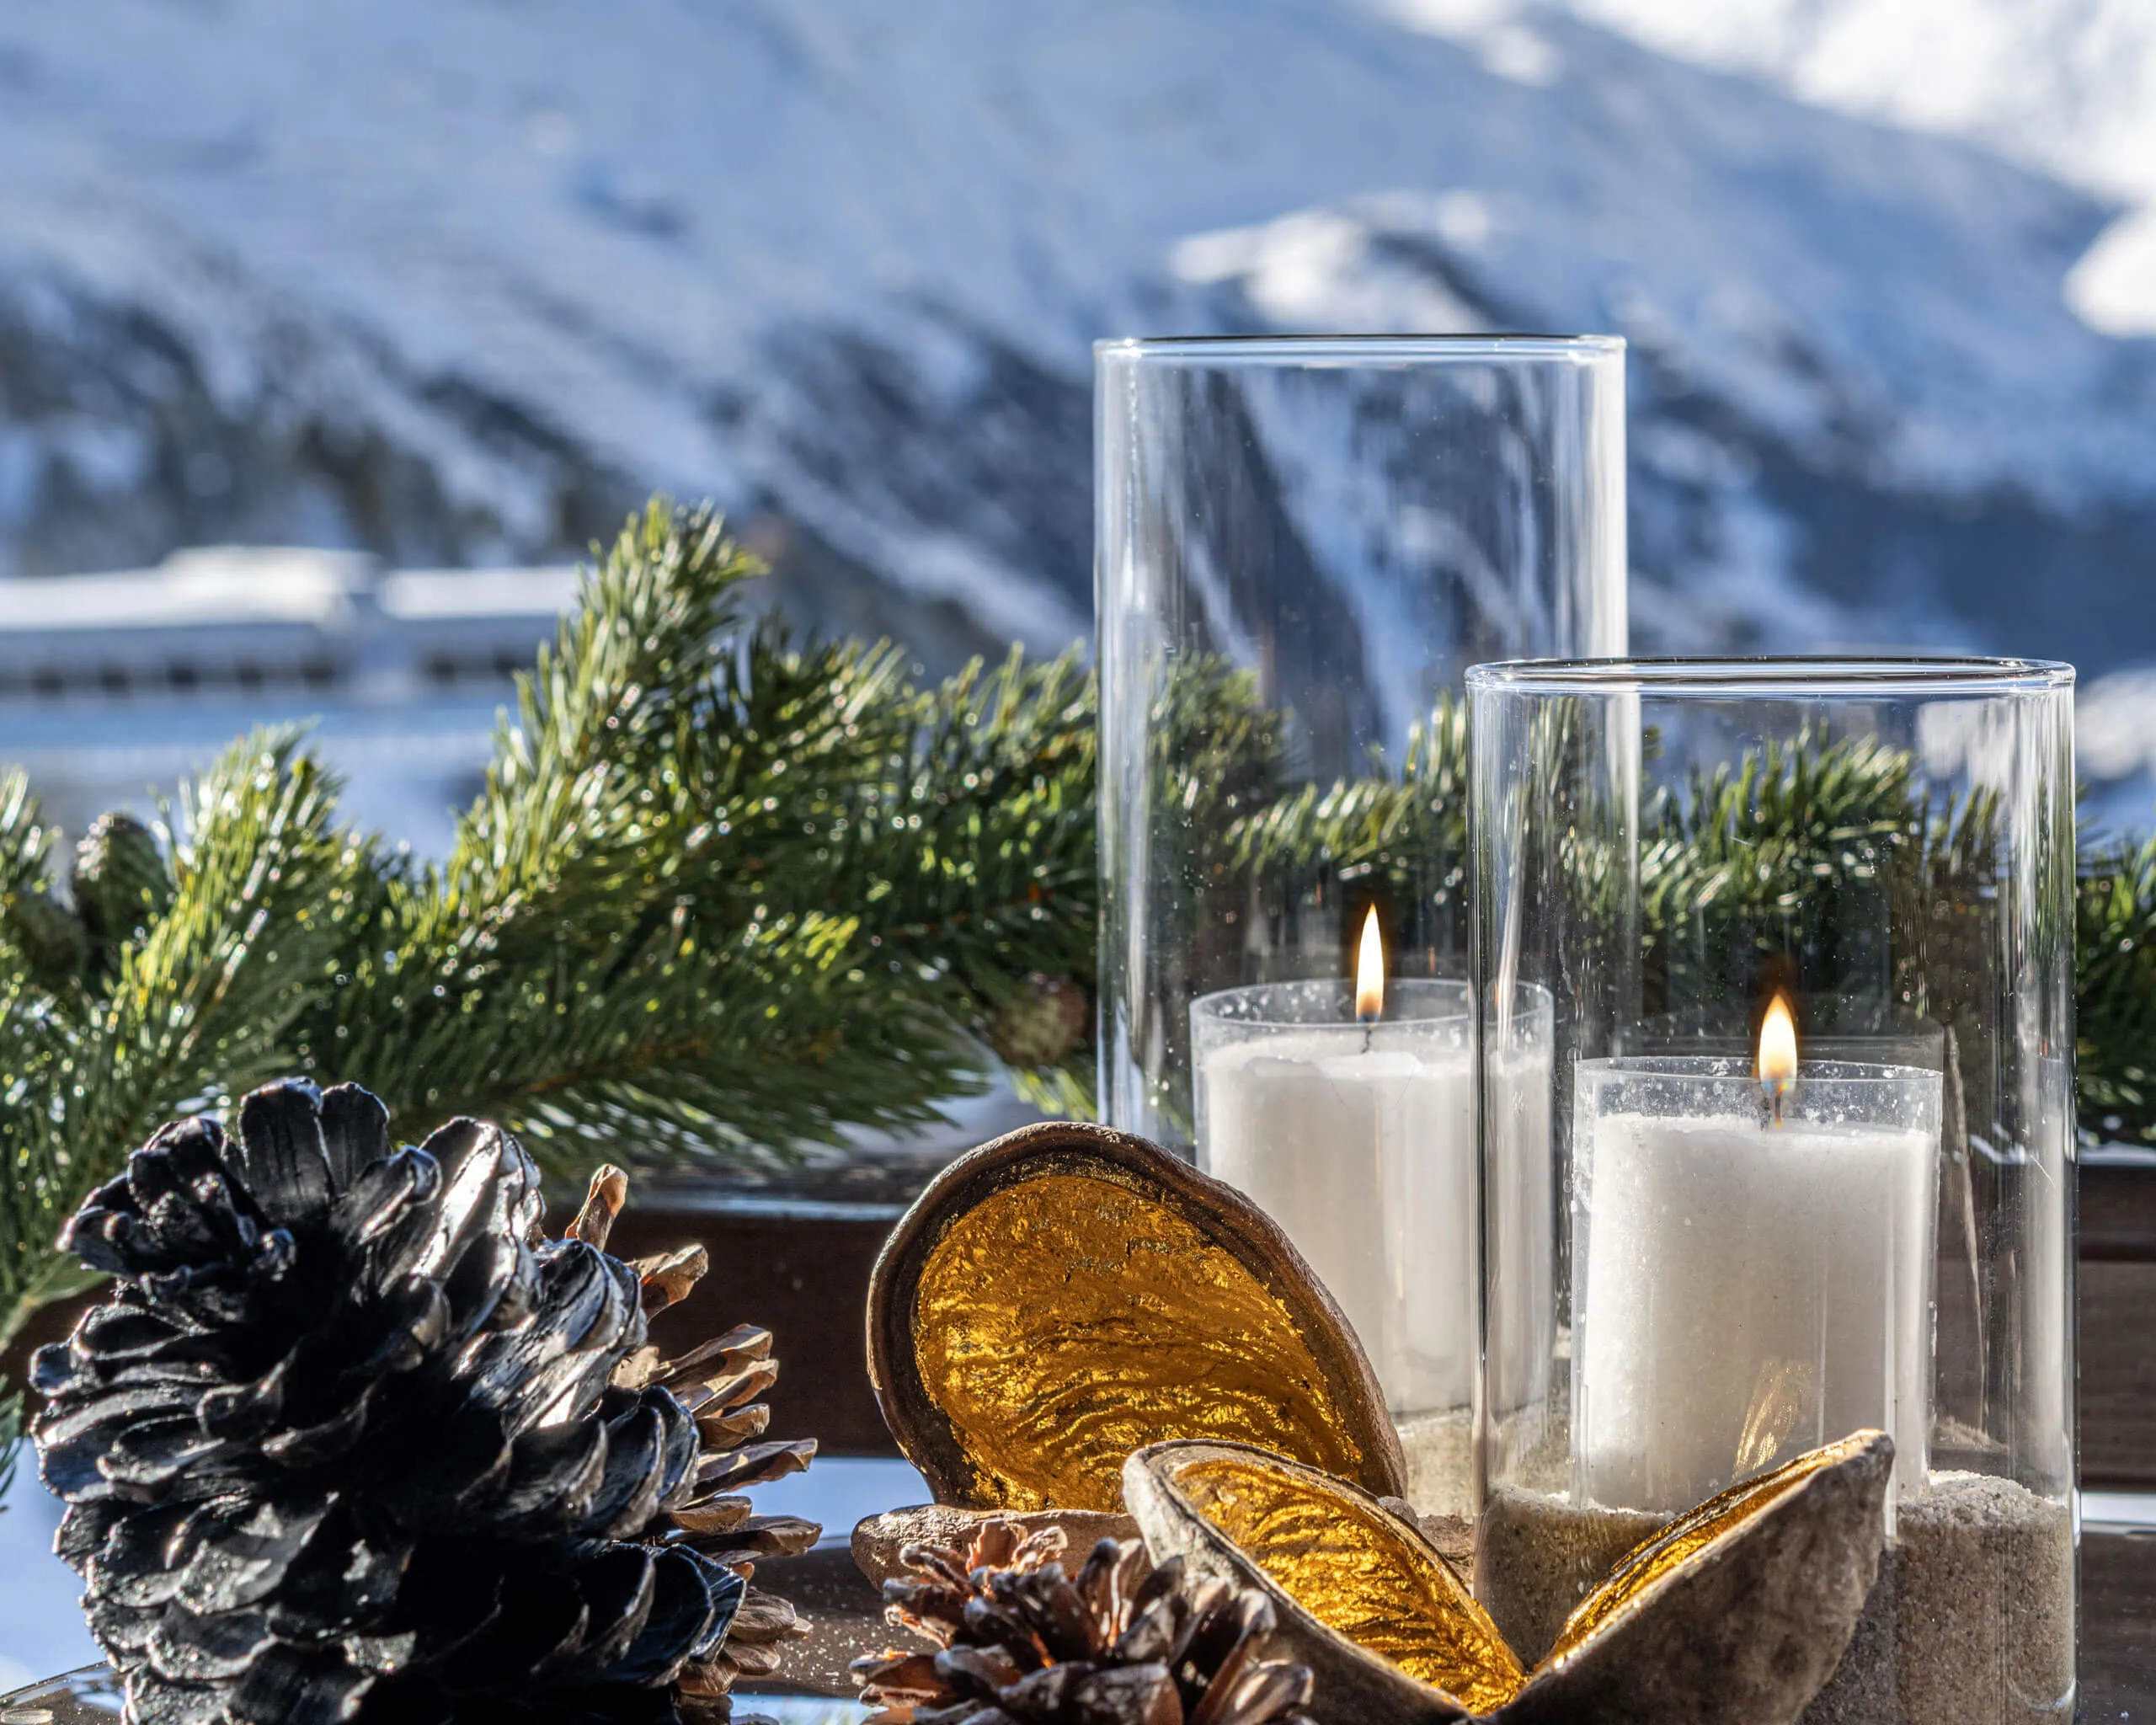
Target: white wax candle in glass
[(1348, 1115), (1752, 1266)]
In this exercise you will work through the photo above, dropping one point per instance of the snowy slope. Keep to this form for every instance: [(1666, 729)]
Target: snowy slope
[(2068, 86), (459, 279)]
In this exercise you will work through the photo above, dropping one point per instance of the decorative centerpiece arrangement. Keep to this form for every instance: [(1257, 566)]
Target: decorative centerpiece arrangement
[(1811, 929), (1072, 1325), (1694, 1281), (1303, 543), (352, 1439)]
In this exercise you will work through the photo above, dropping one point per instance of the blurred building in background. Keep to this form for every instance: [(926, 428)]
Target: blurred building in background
[(113, 686)]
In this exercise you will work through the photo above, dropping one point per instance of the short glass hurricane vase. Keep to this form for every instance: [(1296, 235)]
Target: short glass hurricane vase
[(1302, 544), (1807, 926)]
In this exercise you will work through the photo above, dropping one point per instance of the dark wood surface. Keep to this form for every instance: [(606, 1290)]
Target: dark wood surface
[(2118, 1626), (2117, 1332), (2118, 1205), (2118, 1375)]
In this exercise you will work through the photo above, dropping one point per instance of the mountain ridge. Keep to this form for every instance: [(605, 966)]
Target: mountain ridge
[(459, 284)]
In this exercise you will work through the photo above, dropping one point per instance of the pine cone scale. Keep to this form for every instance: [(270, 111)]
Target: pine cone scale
[(752, 1660), (280, 1154), (139, 1589), (555, 1473), (635, 1480), (739, 1347), (284, 1687), (757, 1465), (773, 1536), (625, 1588), (728, 1390), (354, 1131), (384, 1191), (379, 1654), (693, 1607), (177, 1704), (588, 1305), (715, 1515), (250, 1561), (305, 1445), (189, 1649)]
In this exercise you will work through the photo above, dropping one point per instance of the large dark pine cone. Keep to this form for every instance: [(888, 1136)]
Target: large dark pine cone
[(348, 1441), (1121, 1642)]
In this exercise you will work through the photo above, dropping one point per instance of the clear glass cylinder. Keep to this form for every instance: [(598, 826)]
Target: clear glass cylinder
[(1302, 544), (1808, 930)]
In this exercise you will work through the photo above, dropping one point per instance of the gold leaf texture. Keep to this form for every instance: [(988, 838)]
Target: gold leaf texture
[(1739, 1610), (1067, 1294)]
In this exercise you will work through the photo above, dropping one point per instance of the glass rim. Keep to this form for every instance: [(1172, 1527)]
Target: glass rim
[(1320, 347), (1211, 1005), (1695, 1069), (1786, 677)]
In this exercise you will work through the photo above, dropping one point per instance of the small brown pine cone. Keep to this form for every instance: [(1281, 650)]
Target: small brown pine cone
[(718, 1383), (1012, 1637)]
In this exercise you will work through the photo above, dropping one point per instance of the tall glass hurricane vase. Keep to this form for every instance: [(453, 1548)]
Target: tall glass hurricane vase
[(1302, 544), (1808, 930)]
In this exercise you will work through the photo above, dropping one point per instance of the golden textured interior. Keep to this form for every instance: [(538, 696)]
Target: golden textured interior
[(1067, 1320), (1691, 1533), (1357, 1575)]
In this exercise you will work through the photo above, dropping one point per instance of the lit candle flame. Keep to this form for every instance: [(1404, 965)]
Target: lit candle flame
[(1369, 973), (1777, 1067)]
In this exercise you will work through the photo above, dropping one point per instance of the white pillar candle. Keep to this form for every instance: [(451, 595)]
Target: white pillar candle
[(1360, 1142), (1366, 1159), (1744, 1289)]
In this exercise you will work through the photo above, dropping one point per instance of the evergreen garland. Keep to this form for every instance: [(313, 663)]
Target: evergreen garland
[(730, 893), (726, 893)]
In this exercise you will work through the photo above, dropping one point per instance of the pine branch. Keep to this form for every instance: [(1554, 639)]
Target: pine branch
[(993, 889), (200, 1010), (1408, 829), (720, 895), (723, 895), (2115, 992), (1783, 864), (24, 839), (38, 934)]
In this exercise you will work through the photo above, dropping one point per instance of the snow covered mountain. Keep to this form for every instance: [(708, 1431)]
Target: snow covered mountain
[(459, 280), (2066, 86)]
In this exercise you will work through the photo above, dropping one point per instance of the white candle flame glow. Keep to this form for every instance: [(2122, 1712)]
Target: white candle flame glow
[(1777, 1065), (1369, 973)]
